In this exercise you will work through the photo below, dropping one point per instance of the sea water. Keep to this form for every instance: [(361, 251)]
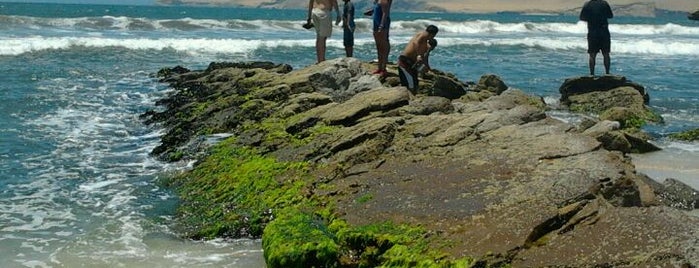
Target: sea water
[(78, 187)]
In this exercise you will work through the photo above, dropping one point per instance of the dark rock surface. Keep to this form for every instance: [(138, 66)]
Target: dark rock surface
[(694, 16)]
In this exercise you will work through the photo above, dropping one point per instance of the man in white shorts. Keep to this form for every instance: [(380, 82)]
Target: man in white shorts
[(319, 12)]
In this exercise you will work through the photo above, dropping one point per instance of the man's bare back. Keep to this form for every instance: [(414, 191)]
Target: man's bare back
[(417, 45)]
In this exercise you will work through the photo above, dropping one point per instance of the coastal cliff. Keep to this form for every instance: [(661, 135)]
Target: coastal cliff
[(334, 167), (645, 8), (694, 16)]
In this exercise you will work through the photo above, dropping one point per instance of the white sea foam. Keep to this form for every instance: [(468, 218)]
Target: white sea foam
[(17, 46)]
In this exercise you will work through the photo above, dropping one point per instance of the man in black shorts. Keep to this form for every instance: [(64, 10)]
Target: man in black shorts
[(596, 13)]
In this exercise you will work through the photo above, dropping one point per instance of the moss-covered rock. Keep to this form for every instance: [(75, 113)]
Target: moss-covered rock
[(238, 190), (298, 239), (689, 135)]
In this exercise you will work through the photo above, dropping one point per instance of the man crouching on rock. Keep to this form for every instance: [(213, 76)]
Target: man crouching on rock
[(415, 57)]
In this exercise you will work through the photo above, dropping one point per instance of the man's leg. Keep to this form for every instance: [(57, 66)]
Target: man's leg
[(382, 46), (593, 55), (320, 48), (379, 47), (607, 61), (386, 51)]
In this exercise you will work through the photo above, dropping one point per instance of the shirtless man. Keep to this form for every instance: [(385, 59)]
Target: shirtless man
[(319, 11), (381, 18), (416, 53)]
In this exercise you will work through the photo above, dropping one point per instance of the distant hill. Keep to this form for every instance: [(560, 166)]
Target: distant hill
[(694, 16), (406, 5), (644, 8)]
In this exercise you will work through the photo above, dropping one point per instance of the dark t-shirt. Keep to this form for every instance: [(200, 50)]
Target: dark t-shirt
[(596, 13), (349, 10)]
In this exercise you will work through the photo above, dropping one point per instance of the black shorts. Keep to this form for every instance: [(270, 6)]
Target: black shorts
[(348, 38), (407, 73), (599, 41)]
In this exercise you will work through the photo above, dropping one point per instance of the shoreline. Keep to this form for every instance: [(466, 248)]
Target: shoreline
[(670, 162)]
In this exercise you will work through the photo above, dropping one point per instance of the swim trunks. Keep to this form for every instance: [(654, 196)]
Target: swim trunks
[(322, 22), (407, 71), (599, 40), (348, 37)]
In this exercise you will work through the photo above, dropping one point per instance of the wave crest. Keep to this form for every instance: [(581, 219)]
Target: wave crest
[(453, 27), (17, 46)]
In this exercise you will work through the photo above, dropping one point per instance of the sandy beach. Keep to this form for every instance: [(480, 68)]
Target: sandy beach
[(669, 163)]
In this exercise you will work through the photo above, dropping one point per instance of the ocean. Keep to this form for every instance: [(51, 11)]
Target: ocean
[(79, 189)]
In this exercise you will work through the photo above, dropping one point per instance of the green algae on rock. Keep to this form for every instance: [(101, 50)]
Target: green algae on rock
[(689, 135), (334, 167)]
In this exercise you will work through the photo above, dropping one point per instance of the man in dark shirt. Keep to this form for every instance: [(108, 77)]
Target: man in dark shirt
[(596, 13)]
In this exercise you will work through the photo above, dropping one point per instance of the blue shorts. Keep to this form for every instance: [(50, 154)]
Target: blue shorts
[(348, 38), (378, 13)]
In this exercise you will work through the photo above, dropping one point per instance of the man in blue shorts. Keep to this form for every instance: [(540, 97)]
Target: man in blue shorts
[(348, 27), (381, 18), (596, 13)]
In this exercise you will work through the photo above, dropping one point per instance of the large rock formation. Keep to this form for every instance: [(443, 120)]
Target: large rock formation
[(481, 173)]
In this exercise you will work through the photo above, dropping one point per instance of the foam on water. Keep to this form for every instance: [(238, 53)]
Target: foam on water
[(18, 46), (87, 200)]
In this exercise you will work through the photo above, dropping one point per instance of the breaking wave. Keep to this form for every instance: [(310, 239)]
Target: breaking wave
[(192, 45)]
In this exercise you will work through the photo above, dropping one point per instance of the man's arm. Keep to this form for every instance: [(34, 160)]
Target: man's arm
[(609, 10), (386, 12), (310, 8), (337, 11), (583, 12)]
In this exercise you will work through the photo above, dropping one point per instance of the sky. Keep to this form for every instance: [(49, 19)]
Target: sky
[(106, 2)]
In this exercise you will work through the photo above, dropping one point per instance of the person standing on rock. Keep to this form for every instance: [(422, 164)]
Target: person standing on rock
[(348, 27), (381, 16), (596, 13), (415, 57), (319, 12)]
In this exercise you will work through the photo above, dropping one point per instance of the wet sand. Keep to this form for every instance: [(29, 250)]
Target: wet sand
[(670, 163)]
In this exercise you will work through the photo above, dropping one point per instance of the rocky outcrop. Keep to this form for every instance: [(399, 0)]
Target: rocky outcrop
[(612, 98), (374, 175), (694, 16), (594, 84)]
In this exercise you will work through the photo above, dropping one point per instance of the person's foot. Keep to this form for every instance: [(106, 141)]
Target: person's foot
[(382, 73)]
